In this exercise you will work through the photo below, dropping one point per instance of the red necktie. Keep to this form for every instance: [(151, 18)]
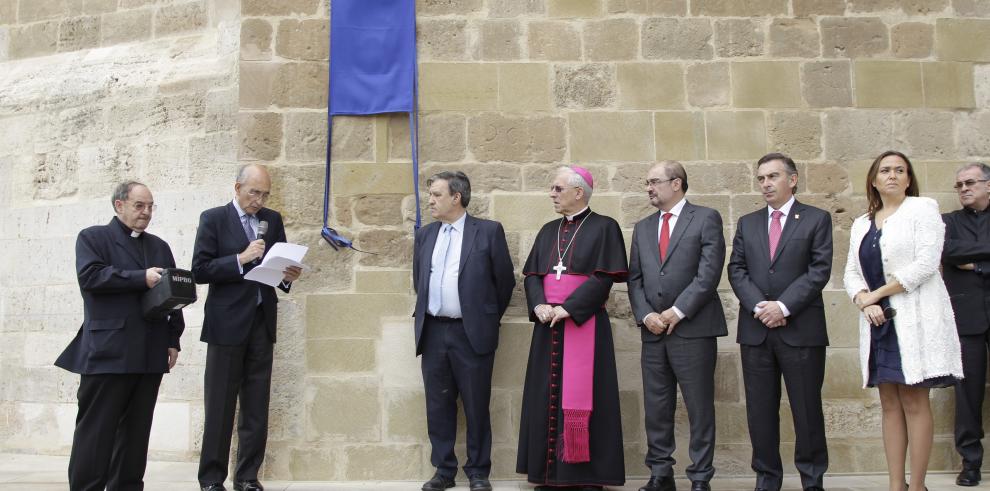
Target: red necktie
[(665, 235), (774, 232)]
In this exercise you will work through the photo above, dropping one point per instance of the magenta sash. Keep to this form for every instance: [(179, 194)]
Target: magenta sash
[(579, 371)]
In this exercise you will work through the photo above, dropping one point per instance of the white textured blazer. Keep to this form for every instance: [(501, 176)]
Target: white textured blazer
[(911, 245)]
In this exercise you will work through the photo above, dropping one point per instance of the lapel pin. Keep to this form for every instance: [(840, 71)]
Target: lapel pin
[(797, 216)]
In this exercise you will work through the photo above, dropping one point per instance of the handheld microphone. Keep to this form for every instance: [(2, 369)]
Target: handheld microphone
[(262, 229)]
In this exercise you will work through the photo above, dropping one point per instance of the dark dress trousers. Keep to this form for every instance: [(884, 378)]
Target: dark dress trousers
[(796, 276), (458, 354), (120, 356), (967, 240), (240, 334), (687, 279)]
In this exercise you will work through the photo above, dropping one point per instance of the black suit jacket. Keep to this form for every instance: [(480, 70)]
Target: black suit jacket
[(114, 336), (688, 278), (796, 276), (967, 289), (232, 300), (484, 283)]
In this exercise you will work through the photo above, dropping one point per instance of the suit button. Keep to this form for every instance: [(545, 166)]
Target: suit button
[(771, 271), (662, 273)]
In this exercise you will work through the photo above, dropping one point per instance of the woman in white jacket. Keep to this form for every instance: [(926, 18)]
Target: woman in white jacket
[(907, 332)]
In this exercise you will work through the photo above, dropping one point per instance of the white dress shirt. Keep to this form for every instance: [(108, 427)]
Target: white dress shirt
[(450, 302)]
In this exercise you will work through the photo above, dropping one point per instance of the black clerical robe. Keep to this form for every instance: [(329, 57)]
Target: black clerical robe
[(592, 246)]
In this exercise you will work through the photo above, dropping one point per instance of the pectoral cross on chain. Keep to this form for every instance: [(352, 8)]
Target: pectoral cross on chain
[(559, 268)]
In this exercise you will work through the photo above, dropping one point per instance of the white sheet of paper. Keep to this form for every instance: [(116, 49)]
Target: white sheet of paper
[(280, 256)]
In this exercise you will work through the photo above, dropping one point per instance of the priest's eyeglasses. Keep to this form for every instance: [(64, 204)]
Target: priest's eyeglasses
[(968, 183), (657, 181), (560, 189), (140, 206)]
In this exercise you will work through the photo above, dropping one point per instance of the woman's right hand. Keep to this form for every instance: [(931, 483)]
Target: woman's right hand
[(874, 314)]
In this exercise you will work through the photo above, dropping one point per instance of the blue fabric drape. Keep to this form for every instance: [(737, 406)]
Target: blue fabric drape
[(372, 71)]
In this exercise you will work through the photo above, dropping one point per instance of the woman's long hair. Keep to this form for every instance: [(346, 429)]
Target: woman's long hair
[(875, 204)]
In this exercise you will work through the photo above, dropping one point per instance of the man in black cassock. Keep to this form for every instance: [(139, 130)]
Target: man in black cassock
[(570, 434)]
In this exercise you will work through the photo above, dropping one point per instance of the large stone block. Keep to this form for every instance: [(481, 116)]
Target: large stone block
[(257, 82), (826, 178), (981, 73), (393, 247), (841, 319), (442, 137), (739, 37), (379, 209), (261, 135), (383, 281), (650, 86), (527, 211), (356, 417), (926, 134), (728, 378), (30, 11), (796, 133), (38, 39), (680, 135), (273, 8), (892, 84), (807, 8), (554, 40), (351, 179), (485, 178), (677, 39), (458, 86), (510, 360), (721, 177), (306, 137), (736, 134), (971, 8), (500, 40), (853, 37), (827, 83), (8, 12), (650, 7), (973, 134), (492, 136), (301, 85), (364, 462), (570, 8), (79, 33), (126, 26), (797, 38), (352, 315), (948, 84), (303, 39), (523, 87), (843, 377), (442, 39), (732, 8), (515, 8), (405, 415), (180, 18), (962, 39), (912, 40), (256, 39), (766, 84), (584, 86), (611, 40), (611, 136), (339, 356), (708, 84)]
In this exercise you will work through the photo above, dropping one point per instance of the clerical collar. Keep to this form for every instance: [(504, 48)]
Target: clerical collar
[(127, 230), (581, 214), (973, 211)]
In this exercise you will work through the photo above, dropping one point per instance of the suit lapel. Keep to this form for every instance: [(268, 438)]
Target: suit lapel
[(793, 222), (426, 255), (235, 226), (124, 242), (467, 240), (764, 233), (650, 242), (683, 221)]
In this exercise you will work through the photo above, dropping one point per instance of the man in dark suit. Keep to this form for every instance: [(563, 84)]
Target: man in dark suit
[(674, 269), (781, 260), (966, 271), (119, 354), (239, 328), (463, 277)]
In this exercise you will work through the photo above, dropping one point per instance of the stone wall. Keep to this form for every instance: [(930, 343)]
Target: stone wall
[(509, 90)]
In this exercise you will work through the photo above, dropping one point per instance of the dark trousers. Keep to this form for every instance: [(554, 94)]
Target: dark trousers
[(451, 368), (110, 443), (689, 363), (237, 373), (803, 371), (969, 399)]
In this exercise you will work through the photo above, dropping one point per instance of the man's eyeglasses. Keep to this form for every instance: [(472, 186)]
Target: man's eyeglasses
[(140, 206), (657, 181), (968, 183), (258, 195), (559, 189)]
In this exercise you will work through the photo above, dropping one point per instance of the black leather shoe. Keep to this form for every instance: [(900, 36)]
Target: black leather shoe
[(700, 486), (814, 488), (217, 486), (660, 483), (480, 483), (968, 477), (252, 485), (439, 483)]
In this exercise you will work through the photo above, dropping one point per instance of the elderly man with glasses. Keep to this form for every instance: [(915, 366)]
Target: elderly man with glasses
[(966, 271)]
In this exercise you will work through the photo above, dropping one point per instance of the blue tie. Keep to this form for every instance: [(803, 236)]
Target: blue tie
[(246, 221), (436, 278)]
